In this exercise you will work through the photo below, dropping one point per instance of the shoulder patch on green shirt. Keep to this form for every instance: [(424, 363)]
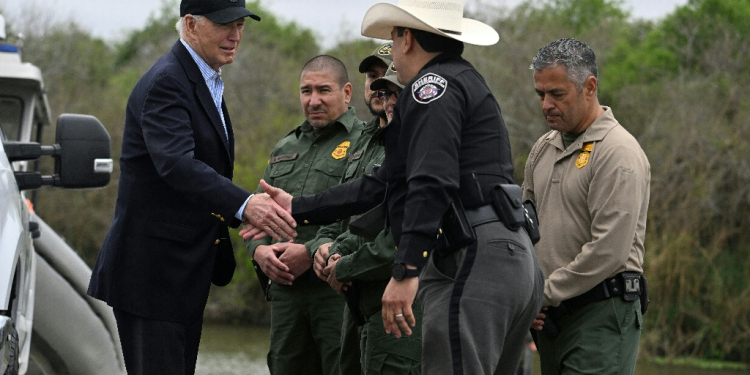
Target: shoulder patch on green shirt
[(340, 151), (286, 157)]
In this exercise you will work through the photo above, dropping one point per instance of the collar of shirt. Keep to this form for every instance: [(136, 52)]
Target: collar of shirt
[(206, 70), (213, 81), (347, 120)]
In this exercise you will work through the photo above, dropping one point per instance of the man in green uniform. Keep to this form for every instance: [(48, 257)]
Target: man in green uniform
[(590, 181), (305, 313), (373, 66)]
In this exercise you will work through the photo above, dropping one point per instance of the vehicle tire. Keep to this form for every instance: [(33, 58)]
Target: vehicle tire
[(13, 352)]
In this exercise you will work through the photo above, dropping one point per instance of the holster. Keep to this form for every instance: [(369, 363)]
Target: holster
[(263, 281), (532, 221), (351, 296), (550, 328), (456, 231), (644, 295)]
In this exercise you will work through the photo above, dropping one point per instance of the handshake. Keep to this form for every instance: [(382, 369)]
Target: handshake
[(269, 214)]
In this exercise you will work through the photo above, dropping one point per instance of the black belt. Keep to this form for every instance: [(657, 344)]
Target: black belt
[(611, 287), (482, 215)]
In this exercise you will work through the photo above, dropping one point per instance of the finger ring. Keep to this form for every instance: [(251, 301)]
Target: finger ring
[(399, 316)]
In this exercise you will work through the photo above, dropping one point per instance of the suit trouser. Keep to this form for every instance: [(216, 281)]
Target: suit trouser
[(479, 304), (157, 347), (306, 324), (600, 338)]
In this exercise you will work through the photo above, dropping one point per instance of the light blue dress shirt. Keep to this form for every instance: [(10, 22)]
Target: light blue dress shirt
[(216, 88)]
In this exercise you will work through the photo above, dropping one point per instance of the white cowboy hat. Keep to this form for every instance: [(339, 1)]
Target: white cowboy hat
[(442, 17)]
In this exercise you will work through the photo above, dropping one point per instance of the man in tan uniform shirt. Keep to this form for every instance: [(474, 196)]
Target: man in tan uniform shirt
[(589, 179)]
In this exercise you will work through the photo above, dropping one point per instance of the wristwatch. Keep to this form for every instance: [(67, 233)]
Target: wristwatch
[(400, 272)]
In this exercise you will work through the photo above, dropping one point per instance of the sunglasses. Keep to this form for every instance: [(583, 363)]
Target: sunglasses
[(384, 95)]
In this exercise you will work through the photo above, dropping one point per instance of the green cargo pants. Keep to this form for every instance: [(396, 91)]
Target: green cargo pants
[(601, 338), (305, 329), (385, 354)]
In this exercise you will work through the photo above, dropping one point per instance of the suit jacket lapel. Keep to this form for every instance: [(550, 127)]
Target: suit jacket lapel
[(204, 96)]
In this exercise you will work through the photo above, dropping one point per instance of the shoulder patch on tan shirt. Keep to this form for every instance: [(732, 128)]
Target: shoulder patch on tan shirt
[(583, 157)]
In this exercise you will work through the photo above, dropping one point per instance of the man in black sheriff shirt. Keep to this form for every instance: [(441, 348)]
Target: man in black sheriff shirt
[(447, 145)]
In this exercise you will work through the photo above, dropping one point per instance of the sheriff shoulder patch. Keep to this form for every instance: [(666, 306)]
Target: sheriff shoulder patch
[(428, 88), (340, 151)]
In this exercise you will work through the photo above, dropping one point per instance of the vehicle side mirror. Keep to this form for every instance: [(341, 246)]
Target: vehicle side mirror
[(84, 159), (82, 155)]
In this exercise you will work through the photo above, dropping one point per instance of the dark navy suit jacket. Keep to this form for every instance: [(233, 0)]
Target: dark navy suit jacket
[(175, 197)]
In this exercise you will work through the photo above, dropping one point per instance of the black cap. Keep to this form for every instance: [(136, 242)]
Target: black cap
[(218, 11)]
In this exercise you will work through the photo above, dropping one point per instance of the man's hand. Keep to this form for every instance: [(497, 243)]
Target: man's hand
[(267, 259), (397, 300), (321, 259), (264, 215), (538, 323), (281, 197), (337, 285), (294, 256)]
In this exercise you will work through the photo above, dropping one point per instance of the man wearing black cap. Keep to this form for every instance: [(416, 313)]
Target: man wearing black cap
[(169, 239)]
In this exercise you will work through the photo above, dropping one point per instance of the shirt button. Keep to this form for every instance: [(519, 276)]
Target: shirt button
[(424, 255), (307, 165), (299, 187), (307, 222), (330, 170), (217, 241), (315, 145)]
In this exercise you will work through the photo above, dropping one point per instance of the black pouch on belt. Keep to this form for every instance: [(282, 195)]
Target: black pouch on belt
[(456, 231), (532, 221), (507, 201), (632, 286), (644, 295)]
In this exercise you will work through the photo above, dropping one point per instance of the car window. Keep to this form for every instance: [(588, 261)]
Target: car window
[(11, 111)]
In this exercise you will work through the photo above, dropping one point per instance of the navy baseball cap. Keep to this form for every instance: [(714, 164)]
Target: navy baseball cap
[(218, 11)]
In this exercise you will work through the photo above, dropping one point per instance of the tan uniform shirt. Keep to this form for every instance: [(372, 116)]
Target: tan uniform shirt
[(592, 200)]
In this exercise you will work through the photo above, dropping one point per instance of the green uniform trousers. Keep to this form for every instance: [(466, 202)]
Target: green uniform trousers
[(306, 324), (599, 339), (379, 352), (350, 336)]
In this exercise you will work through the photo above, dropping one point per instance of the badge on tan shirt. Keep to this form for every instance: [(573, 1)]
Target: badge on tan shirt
[(583, 157), (340, 151)]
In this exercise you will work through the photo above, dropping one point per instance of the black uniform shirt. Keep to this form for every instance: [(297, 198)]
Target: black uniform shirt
[(446, 124)]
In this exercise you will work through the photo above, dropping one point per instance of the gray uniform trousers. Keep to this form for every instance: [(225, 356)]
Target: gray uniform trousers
[(479, 304)]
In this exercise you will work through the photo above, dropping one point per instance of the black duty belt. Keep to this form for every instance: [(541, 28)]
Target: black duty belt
[(482, 215), (612, 287)]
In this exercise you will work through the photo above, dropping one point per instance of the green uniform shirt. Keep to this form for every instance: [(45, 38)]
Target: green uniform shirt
[(303, 164), (362, 259)]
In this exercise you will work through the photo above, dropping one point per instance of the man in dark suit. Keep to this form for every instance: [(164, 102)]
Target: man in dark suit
[(169, 238)]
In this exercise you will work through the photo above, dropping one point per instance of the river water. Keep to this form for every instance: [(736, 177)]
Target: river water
[(241, 350)]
